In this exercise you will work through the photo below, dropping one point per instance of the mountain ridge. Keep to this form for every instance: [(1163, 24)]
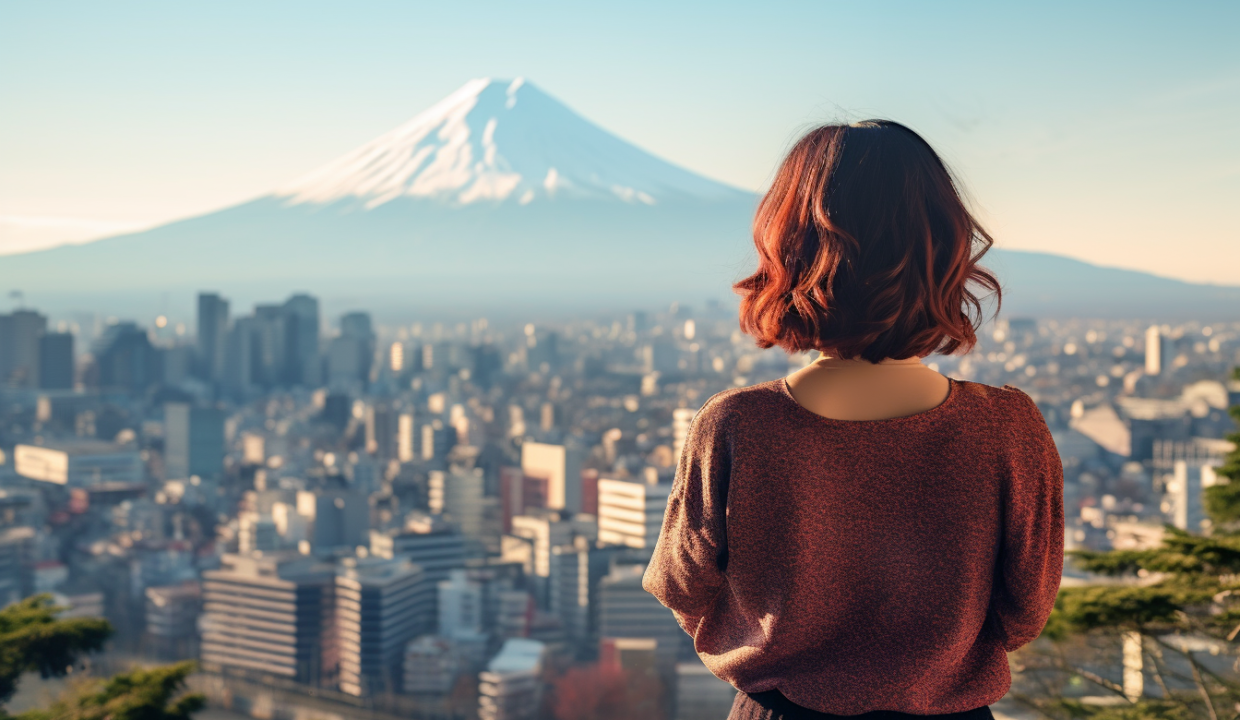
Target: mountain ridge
[(438, 213)]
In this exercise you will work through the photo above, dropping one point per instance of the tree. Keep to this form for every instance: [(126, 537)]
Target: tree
[(33, 638), (1190, 585), (140, 694)]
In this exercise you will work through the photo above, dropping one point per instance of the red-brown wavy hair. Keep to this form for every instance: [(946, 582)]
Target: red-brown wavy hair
[(865, 249)]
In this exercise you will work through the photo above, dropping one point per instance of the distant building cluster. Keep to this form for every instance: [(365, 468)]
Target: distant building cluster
[(453, 520)]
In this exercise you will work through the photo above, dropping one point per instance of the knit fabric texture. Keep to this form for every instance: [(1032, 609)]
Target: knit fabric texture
[(860, 565)]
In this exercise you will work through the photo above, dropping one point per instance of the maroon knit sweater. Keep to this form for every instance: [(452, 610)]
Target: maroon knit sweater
[(860, 565)]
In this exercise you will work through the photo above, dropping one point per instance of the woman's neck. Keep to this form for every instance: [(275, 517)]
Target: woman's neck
[(829, 361)]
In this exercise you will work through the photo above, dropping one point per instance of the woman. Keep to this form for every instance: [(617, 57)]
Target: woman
[(864, 536)]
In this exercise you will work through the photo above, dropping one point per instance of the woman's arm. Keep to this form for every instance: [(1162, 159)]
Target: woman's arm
[(1031, 558), (686, 570)]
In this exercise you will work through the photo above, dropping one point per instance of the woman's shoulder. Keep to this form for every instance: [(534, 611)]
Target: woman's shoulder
[(1006, 399), (748, 397)]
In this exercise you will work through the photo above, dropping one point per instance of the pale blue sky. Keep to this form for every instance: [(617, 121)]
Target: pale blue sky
[(1103, 131)]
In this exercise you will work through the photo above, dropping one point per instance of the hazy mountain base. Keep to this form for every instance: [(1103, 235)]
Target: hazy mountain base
[(407, 252), (419, 257)]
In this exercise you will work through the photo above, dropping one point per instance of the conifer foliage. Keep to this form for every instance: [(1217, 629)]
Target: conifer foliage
[(33, 638), (1174, 623)]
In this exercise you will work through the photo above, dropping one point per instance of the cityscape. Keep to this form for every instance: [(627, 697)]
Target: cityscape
[(349, 356), (452, 520)]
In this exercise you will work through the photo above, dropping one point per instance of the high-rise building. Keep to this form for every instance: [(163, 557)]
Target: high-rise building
[(462, 615), (78, 463), (212, 333), (237, 374), (427, 541), (193, 441), (352, 353), (267, 614), (125, 360), (56, 361), (511, 687), (570, 589), (437, 439), (301, 335), (432, 665), (682, 418), (406, 442), (269, 346), (338, 518), (631, 513), (172, 619), (1153, 350), (381, 429), (19, 347), (459, 495), (560, 466), (626, 610), (380, 606), (1188, 482), (546, 529), (16, 563)]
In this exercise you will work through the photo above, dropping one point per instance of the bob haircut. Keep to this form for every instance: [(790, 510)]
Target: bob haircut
[(865, 249)]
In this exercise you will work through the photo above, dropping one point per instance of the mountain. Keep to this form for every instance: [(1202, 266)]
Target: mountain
[(499, 141), (499, 198)]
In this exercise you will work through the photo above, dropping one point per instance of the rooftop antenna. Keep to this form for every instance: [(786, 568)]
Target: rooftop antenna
[(17, 296)]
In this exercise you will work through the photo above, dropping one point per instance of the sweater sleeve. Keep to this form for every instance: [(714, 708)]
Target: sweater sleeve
[(686, 569), (1030, 564)]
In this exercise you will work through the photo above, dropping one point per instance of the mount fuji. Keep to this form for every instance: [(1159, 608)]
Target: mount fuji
[(497, 196), (500, 198)]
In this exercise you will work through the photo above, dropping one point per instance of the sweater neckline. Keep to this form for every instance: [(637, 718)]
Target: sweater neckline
[(929, 414)]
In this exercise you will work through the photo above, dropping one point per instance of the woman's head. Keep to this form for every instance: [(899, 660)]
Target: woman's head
[(865, 249)]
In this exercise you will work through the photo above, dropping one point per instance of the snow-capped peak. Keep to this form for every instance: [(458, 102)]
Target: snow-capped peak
[(500, 140)]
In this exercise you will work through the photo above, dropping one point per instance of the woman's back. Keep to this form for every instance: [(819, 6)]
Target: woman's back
[(862, 565)]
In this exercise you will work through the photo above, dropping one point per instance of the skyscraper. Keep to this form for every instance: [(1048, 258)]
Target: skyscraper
[(266, 615), (193, 441), (212, 331), (631, 513), (1153, 350), (56, 361), (125, 359), (560, 465), (352, 353), (380, 605), (681, 419), (301, 337), (19, 347)]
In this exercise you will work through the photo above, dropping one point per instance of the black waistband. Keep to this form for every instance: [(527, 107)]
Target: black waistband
[(772, 705)]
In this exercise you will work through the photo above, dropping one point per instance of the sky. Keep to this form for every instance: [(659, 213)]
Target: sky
[(1104, 131)]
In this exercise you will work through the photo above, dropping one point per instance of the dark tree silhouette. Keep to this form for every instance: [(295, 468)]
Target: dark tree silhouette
[(1191, 585)]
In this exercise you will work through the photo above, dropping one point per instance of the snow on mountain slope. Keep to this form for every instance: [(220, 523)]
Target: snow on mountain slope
[(500, 141)]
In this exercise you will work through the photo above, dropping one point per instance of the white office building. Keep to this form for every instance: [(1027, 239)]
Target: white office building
[(1185, 493), (630, 513), (511, 687), (432, 665), (79, 463), (380, 606), (265, 613)]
